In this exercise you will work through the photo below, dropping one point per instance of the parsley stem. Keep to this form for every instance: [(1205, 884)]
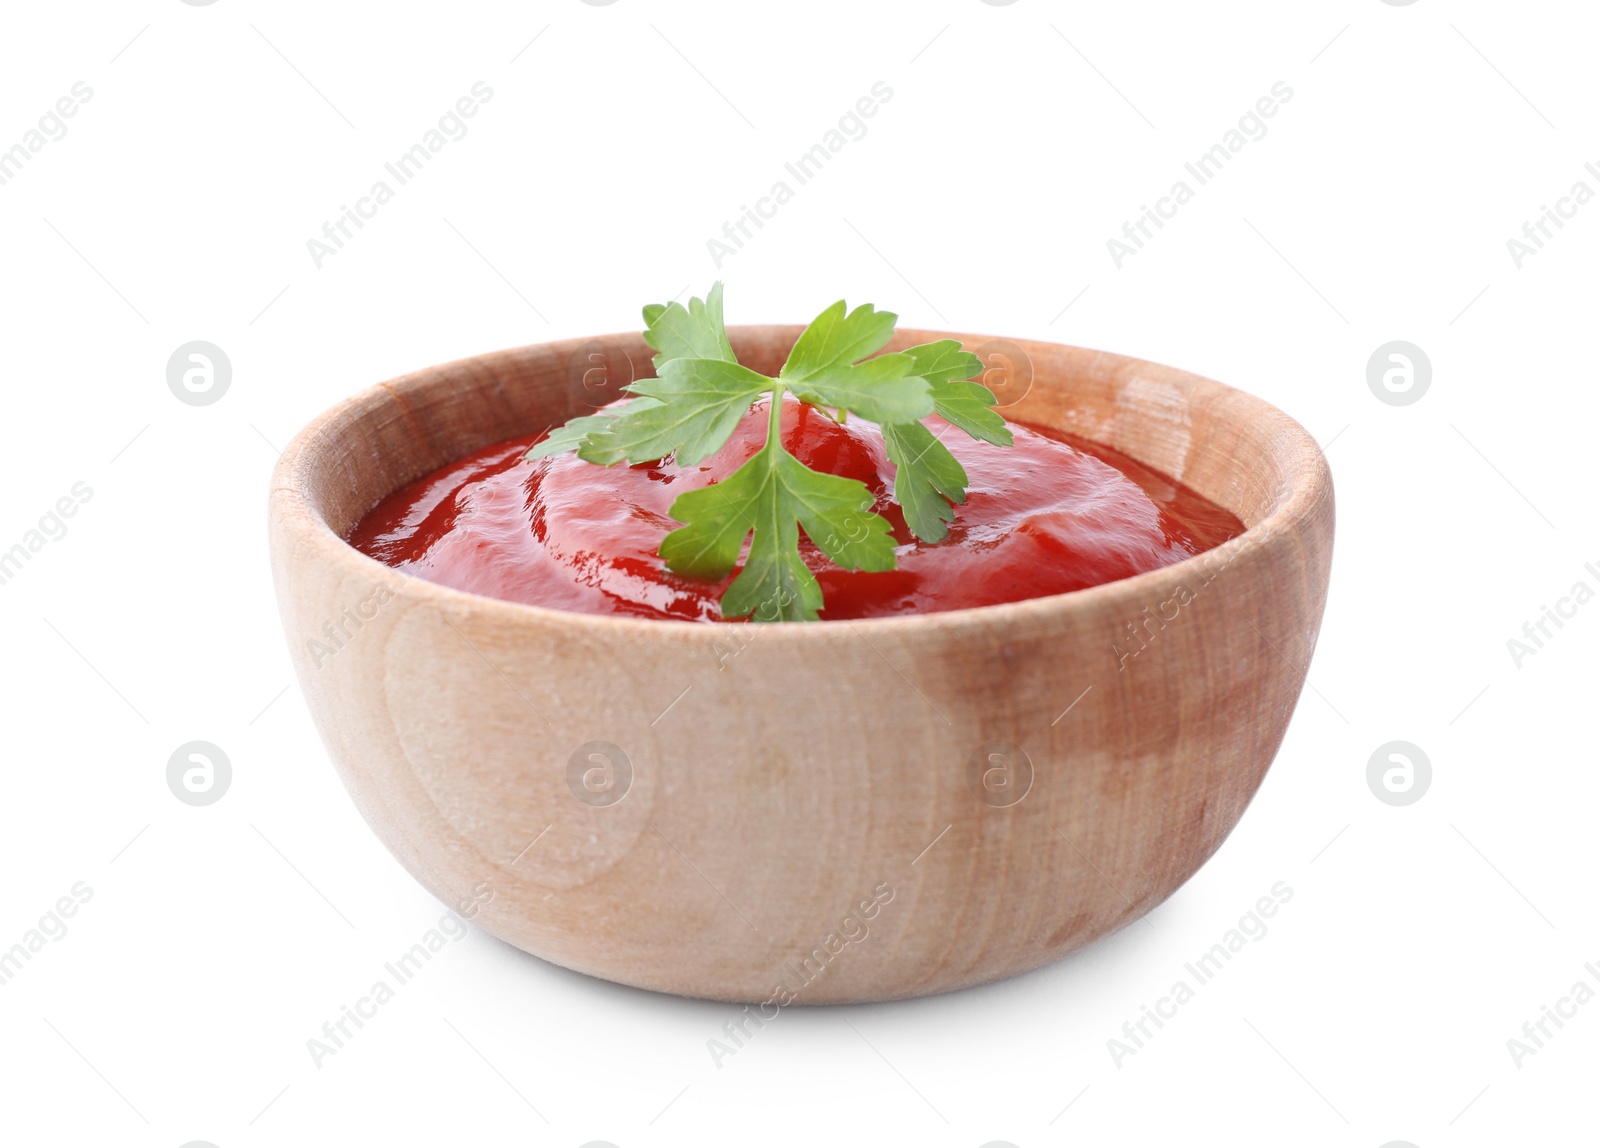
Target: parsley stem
[(775, 417)]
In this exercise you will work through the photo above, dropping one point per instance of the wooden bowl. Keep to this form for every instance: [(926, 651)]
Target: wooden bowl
[(806, 812)]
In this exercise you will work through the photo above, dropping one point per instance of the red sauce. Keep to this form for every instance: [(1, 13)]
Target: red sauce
[(1046, 515)]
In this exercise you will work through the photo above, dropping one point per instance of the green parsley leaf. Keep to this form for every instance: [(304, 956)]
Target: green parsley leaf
[(824, 367), (697, 403), (589, 435), (969, 406), (768, 499), (835, 339), (886, 390), (926, 475), (569, 436), (695, 332)]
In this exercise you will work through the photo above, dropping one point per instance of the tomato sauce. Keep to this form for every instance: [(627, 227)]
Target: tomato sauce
[(1049, 514)]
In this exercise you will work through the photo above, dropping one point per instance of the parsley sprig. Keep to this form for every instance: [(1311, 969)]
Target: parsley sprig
[(700, 393)]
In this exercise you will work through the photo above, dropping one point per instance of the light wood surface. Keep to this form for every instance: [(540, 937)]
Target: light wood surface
[(808, 802)]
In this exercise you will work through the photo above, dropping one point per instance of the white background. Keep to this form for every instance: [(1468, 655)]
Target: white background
[(220, 138)]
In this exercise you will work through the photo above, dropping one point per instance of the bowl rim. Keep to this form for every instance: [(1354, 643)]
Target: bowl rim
[(1310, 483)]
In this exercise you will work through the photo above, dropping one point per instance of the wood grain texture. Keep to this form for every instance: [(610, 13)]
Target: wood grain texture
[(811, 805)]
